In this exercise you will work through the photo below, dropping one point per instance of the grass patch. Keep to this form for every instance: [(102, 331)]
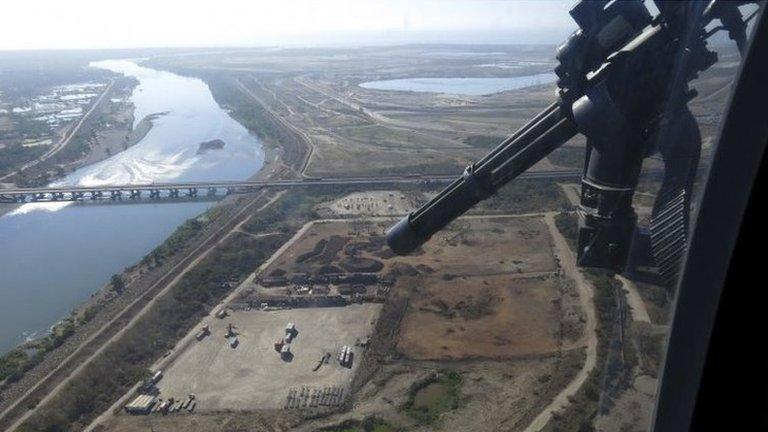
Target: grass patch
[(434, 396), (483, 141), (527, 195), (12, 363), (181, 236), (568, 225), (15, 155), (370, 424)]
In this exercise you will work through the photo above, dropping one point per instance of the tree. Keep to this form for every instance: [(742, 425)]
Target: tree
[(118, 285)]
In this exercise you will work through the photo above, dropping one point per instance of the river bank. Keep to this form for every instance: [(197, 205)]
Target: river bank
[(88, 320), (109, 142), (43, 279), (79, 323), (110, 133), (38, 358)]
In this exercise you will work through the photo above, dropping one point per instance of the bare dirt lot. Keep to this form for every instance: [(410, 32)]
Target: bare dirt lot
[(485, 288), (481, 317), (252, 375), (372, 203), (471, 246), (484, 298)]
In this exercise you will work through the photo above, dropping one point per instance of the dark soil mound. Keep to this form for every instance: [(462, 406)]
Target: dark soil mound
[(373, 245), (423, 268), (329, 269), (361, 265), (402, 269), (319, 248)]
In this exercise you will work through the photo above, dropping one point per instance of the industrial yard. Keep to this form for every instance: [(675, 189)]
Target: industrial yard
[(252, 375), (332, 283)]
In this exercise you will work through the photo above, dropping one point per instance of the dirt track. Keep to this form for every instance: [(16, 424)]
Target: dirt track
[(586, 294)]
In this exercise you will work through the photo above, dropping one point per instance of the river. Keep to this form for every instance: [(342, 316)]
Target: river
[(53, 256), (462, 86)]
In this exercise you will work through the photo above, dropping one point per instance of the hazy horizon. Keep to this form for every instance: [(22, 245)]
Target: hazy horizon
[(87, 24)]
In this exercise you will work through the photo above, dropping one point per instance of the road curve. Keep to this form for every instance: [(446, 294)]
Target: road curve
[(586, 297)]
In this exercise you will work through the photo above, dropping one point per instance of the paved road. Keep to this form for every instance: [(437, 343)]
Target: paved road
[(559, 174)]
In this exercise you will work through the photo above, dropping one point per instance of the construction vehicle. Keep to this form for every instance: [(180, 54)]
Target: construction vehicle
[(205, 331), (230, 331)]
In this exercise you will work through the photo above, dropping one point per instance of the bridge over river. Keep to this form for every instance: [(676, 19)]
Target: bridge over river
[(191, 190)]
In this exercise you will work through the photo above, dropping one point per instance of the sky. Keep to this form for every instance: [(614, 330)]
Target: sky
[(78, 24)]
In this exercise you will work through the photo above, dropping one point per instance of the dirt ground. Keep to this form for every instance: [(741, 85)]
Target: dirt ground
[(372, 203), (632, 411), (209, 422), (323, 245), (501, 316), (252, 375), (485, 288), (470, 246), (495, 395), (484, 298)]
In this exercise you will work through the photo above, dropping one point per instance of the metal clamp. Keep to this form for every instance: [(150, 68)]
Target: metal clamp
[(474, 184)]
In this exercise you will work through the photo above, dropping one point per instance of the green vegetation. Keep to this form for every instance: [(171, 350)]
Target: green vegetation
[(370, 424), (78, 146), (14, 155), (483, 141), (16, 362), (615, 361), (430, 398), (568, 225), (180, 237), (651, 347), (300, 206), (251, 115), (657, 301), (524, 196), (117, 284), (13, 363)]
